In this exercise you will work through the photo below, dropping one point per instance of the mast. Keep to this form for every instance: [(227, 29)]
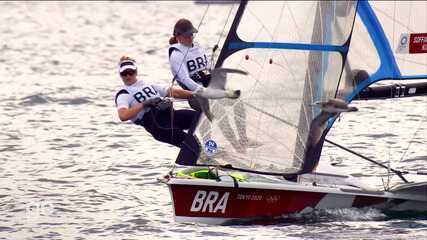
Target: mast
[(265, 56)]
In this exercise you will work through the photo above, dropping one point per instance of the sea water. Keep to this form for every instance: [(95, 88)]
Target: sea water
[(69, 169)]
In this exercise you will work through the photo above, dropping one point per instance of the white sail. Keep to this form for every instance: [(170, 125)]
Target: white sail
[(294, 53), (297, 54)]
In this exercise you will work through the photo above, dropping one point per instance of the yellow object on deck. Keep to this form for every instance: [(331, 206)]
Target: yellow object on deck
[(206, 173)]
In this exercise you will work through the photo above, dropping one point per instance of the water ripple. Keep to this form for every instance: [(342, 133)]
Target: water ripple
[(53, 181), (74, 101), (35, 99), (69, 169)]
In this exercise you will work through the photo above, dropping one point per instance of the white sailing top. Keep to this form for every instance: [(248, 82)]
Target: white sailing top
[(185, 62), (139, 92)]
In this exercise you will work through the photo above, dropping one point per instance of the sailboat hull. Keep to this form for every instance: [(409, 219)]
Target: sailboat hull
[(213, 202)]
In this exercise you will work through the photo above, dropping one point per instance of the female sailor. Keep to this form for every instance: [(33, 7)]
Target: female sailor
[(141, 103), (190, 67)]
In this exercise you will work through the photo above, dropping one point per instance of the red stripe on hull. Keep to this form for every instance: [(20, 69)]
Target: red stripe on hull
[(227, 202)]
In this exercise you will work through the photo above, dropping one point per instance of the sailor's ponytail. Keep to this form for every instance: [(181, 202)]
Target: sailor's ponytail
[(173, 40)]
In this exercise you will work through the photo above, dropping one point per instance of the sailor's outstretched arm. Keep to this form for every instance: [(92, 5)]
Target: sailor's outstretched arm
[(203, 92), (179, 93)]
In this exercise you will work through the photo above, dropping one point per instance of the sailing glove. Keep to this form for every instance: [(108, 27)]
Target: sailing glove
[(164, 104), (152, 102)]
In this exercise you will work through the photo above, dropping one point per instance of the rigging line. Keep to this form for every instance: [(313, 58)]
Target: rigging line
[(407, 27), (390, 17), (310, 112), (322, 41), (263, 27), (220, 37), (397, 172), (203, 16), (230, 167), (272, 35), (349, 22), (269, 114), (411, 61), (415, 133), (257, 77), (259, 21), (252, 88), (265, 133), (278, 22), (284, 6), (298, 28), (334, 16), (276, 28), (281, 120), (392, 102), (345, 68), (258, 82), (298, 36)]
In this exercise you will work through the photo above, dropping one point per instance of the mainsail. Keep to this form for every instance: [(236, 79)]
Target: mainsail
[(296, 54)]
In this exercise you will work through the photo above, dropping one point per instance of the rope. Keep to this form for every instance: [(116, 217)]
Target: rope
[(398, 173), (219, 38), (391, 107), (410, 142)]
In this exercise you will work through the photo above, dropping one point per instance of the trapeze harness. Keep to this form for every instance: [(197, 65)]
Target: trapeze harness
[(189, 64), (157, 121)]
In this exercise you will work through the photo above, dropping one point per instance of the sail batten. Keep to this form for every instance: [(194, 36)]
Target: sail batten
[(285, 45)]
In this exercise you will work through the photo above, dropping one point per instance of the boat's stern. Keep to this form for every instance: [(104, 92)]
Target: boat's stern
[(198, 200)]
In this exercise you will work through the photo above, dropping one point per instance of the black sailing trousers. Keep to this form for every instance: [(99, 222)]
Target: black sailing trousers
[(168, 125)]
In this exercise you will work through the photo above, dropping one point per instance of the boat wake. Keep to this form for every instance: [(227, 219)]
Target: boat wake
[(318, 216)]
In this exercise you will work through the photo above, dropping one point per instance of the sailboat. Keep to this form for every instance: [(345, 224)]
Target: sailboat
[(306, 63)]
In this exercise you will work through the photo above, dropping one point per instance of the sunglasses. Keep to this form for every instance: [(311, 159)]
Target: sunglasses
[(127, 72)]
